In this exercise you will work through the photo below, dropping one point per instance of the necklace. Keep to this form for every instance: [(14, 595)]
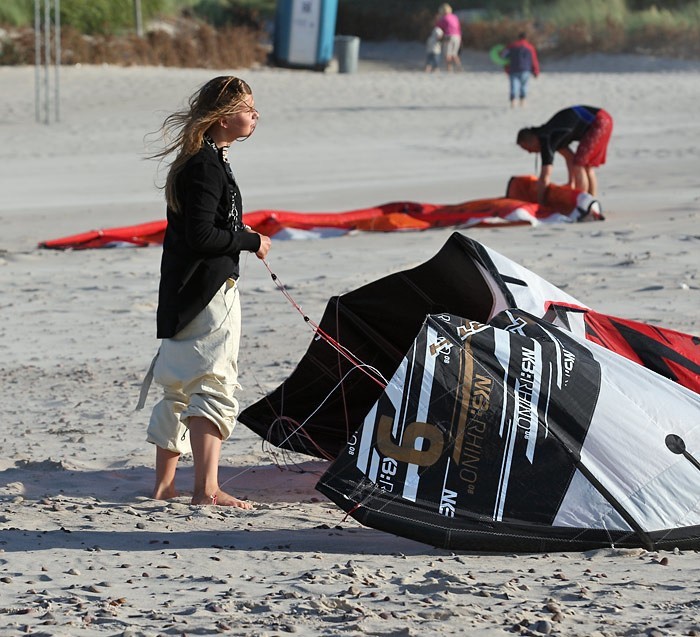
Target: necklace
[(234, 218)]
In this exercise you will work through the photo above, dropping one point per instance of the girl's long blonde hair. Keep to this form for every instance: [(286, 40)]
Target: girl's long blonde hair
[(220, 97)]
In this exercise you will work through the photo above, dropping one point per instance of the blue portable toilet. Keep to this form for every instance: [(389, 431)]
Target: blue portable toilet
[(304, 32)]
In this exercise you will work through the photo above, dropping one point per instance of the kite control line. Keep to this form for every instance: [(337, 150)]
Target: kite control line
[(343, 351)]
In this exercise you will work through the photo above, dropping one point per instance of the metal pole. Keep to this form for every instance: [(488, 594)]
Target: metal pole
[(47, 55), (57, 45), (37, 60), (138, 18)]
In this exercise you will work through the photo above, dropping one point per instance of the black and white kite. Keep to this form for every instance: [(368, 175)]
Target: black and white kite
[(463, 419), (316, 410), (516, 435)]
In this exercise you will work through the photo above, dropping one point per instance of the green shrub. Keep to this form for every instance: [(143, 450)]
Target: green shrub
[(17, 13), (592, 12), (250, 13), (230, 13), (638, 5), (105, 16), (86, 16)]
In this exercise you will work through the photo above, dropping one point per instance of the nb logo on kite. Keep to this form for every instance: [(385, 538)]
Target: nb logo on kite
[(443, 346), (516, 325), (470, 328)]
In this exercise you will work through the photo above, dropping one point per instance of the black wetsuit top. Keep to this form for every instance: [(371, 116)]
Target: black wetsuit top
[(564, 127)]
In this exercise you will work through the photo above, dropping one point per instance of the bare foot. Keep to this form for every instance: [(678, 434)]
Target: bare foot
[(221, 498), (164, 492)]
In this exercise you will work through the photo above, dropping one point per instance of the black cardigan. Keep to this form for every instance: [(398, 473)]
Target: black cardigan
[(200, 248)]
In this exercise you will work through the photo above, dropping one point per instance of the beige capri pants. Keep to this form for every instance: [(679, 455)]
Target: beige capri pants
[(451, 44), (198, 370)]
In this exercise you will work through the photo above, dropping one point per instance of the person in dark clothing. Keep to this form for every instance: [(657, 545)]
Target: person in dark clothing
[(522, 63), (198, 316), (590, 126)]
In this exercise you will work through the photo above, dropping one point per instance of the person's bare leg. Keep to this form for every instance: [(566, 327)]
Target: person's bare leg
[(205, 439), (166, 464), (592, 182), (580, 178)]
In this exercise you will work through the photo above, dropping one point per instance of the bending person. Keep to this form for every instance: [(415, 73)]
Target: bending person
[(590, 126)]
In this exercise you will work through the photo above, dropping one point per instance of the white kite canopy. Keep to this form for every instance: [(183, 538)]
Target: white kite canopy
[(518, 435)]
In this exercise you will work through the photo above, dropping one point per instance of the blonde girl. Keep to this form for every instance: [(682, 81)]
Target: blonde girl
[(198, 317)]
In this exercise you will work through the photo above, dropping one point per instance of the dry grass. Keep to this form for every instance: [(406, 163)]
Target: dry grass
[(185, 44), (582, 37), (681, 42)]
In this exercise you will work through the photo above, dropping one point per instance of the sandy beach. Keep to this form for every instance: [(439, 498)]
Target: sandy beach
[(85, 551)]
